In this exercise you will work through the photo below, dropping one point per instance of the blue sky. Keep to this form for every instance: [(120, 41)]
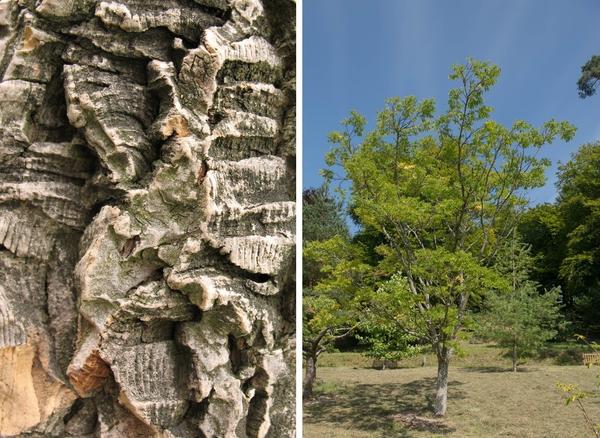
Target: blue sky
[(356, 53)]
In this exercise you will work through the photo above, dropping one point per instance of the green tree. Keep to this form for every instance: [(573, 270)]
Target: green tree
[(579, 204), (326, 316), (331, 310), (383, 338), (542, 228), (322, 219), (590, 75), (565, 238), (523, 319), (322, 216), (444, 192)]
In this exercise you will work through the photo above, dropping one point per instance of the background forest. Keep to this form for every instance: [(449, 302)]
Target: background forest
[(421, 243)]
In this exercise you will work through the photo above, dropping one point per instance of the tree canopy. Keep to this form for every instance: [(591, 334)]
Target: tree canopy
[(444, 192), (590, 75), (565, 238)]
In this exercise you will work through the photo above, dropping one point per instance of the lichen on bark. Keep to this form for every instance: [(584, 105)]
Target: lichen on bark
[(147, 218)]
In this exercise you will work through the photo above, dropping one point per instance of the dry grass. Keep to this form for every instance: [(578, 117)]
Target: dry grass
[(484, 401)]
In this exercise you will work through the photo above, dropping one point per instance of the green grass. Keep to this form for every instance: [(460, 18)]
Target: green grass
[(475, 355), (485, 398)]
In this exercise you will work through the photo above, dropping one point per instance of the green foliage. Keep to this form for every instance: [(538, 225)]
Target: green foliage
[(387, 341), (543, 229), (332, 307), (322, 219), (579, 204), (443, 192), (565, 238), (590, 75), (323, 319), (328, 314), (322, 216), (341, 262), (383, 329), (325, 242), (522, 319)]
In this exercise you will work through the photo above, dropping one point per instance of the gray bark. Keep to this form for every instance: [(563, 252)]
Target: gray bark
[(147, 218), (310, 375), (441, 395)]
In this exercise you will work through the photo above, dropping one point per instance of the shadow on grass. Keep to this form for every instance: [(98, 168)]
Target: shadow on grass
[(486, 369), (565, 356), (520, 369), (376, 407)]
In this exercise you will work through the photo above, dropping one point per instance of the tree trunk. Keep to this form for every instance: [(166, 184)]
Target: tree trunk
[(147, 218), (514, 356), (310, 376), (441, 395)]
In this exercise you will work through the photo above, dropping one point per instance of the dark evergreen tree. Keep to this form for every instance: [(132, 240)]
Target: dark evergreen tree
[(590, 75)]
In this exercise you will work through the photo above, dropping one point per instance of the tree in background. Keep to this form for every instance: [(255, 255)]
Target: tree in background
[(332, 309), (542, 228), (322, 216), (565, 238), (579, 204), (326, 316), (383, 338), (590, 75), (322, 219), (523, 319), (445, 193)]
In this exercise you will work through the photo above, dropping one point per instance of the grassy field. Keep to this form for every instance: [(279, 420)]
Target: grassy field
[(475, 355), (485, 398)]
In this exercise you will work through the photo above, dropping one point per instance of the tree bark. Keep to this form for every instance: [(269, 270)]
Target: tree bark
[(441, 395), (310, 375), (147, 217)]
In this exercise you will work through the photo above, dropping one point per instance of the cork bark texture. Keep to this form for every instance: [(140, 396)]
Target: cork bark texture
[(147, 216)]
